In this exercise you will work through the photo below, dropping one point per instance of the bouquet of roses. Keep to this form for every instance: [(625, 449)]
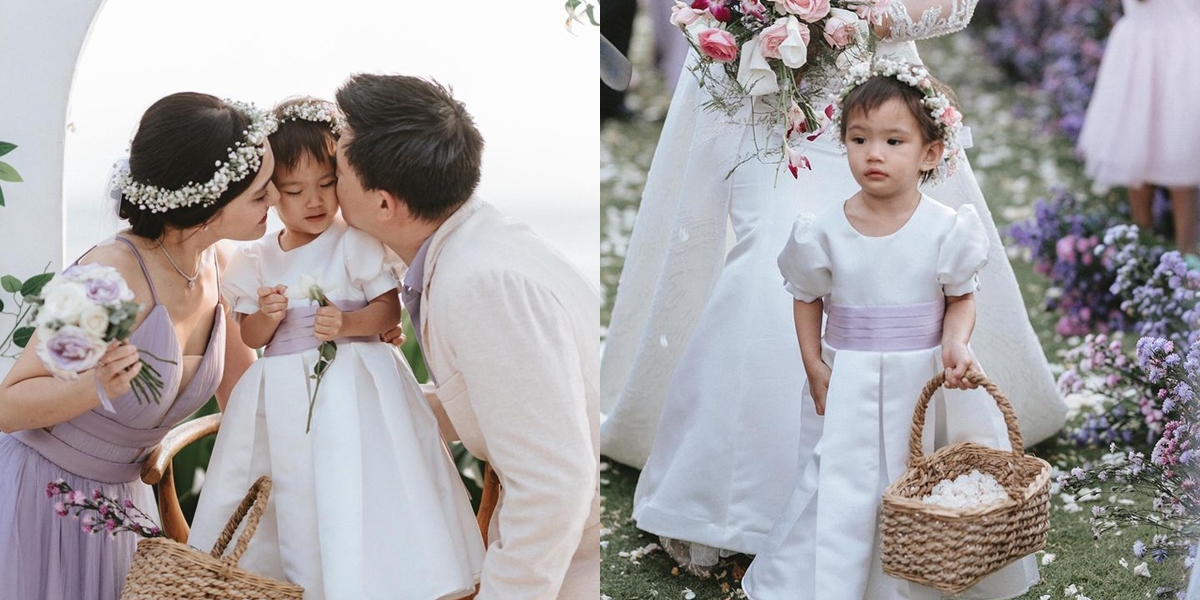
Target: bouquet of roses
[(786, 50), (77, 314)]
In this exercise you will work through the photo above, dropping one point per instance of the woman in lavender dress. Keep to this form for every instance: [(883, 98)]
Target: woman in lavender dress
[(170, 258)]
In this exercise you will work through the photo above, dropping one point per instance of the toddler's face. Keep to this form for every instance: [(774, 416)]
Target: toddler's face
[(308, 198), (886, 151)]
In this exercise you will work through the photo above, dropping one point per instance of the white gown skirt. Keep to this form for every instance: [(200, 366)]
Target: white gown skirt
[(725, 456), (825, 545), (366, 505)]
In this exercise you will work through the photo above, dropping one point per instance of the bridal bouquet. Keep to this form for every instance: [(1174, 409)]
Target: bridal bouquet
[(77, 314), (789, 51)]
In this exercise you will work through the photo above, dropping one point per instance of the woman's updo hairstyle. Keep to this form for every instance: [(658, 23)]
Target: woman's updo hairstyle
[(180, 140)]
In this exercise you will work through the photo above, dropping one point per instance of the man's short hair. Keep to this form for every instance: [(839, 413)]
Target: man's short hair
[(411, 138)]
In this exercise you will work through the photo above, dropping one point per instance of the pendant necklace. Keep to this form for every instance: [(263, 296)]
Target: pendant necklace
[(192, 279)]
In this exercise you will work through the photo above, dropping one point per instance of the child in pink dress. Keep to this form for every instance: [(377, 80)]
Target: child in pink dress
[(1142, 128)]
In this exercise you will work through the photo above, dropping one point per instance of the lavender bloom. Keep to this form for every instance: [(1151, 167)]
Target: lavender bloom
[(1139, 548), (69, 351)]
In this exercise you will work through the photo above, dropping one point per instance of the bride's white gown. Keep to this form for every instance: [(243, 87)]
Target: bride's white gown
[(701, 377)]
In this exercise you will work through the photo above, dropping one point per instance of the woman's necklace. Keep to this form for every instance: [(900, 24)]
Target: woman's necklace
[(192, 279)]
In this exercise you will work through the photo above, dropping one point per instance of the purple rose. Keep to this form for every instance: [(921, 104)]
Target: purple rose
[(69, 351), (103, 291)]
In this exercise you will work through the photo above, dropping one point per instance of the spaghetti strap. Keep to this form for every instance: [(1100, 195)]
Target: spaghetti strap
[(145, 271)]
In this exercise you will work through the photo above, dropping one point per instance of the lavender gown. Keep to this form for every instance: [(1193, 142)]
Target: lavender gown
[(47, 557)]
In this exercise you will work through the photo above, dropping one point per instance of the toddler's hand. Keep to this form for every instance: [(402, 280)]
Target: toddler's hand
[(818, 384), (394, 336), (272, 302), (957, 359), (328, 323)]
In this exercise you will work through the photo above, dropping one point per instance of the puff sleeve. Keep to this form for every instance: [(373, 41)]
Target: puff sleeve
[(369, 264), (963, 253), (804, 262), (241, 280)]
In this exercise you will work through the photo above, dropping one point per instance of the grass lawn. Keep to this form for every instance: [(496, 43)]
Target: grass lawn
[(1016, 163)]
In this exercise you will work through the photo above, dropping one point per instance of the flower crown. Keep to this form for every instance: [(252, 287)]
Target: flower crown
[(244, 157), (947, 117), (317, 111)]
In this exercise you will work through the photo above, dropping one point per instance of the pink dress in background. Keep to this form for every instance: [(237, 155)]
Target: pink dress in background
[(1142, 124)]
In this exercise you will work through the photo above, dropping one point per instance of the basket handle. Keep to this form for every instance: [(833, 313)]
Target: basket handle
[(251, 509), (1010, 418)]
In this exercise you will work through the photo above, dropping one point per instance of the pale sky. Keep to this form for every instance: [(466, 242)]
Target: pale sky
[(529, 82)]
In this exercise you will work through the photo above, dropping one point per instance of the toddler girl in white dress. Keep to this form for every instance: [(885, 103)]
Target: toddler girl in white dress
[(895, 272), (367, 504)]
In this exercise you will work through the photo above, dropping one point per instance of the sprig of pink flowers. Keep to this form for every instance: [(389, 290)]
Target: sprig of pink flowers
[(100, 513)]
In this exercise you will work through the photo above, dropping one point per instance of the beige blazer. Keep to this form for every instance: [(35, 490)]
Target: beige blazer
[(509, 332)]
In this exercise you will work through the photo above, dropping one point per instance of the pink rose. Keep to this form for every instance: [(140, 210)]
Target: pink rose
[(839, 29), (786, 39), (951, 116), (809, 11), (718, 45), (772, 37), (682, 14)]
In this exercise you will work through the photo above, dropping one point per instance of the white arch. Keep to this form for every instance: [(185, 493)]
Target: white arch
[(40, 44)]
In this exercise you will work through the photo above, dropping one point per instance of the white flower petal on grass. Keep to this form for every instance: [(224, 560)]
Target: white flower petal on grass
[(1070, 590), (1142, 569), (1124, 563), (688, 594), (1048, 558)]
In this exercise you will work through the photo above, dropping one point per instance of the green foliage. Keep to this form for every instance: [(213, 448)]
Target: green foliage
[(7, 171), (22, 294), (576, 9)]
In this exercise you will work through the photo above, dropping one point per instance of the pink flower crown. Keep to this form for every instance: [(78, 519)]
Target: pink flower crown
[(947, 117)]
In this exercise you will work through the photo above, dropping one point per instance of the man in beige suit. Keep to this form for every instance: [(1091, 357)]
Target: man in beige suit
[(507, 327)]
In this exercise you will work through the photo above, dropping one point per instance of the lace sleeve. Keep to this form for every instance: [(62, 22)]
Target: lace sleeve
[(920, 19)]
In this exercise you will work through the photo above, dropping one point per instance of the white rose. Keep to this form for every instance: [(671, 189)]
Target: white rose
[(64, 301), (94, 320), (754, 73), (794, 49)]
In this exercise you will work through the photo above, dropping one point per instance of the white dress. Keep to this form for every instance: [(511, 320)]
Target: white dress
[(1142, 125), (885, 297), (366, 505), (702, 335)]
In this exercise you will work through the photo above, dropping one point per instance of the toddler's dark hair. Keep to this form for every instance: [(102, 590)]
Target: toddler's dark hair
[(297, 137)]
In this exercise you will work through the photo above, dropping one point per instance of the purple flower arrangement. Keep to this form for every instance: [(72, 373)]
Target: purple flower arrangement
[(1053, 45), (1168, 480), (99, 513), (1061, 242)]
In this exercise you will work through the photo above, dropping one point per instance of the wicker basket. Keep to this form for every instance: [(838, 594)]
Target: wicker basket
[(953, 548), (164, 569)]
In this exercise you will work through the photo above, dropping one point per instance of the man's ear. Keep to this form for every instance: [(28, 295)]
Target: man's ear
[(389, 207), (392, 207)]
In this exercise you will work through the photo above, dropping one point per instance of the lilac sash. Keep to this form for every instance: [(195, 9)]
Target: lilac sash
[(895, 328), (295, 331), (92, 424)]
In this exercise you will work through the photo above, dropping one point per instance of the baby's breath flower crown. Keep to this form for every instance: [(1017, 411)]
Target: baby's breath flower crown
[(244, 157), (317, 111), (948, 118)]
